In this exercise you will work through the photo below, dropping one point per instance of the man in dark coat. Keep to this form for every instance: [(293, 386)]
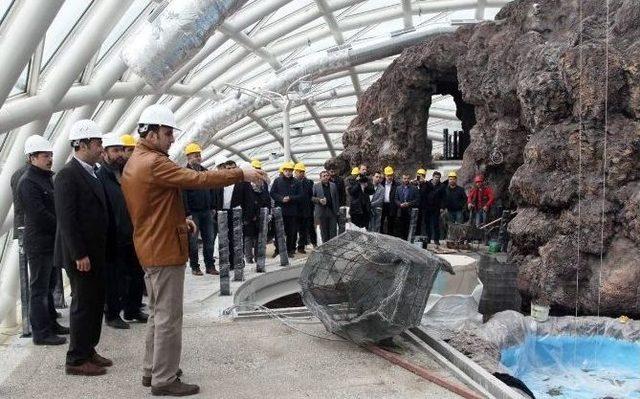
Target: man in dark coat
[(389, 210), (431, 193), (81, 240), (18, 212), (407, 197), (35, 192), (359, 189), (251, 197), (286, 194), (340, 186), (454, 199), (124, 276), (307, 228), (199, 207), (326, 201)]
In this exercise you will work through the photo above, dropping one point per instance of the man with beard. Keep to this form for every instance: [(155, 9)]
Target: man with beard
[(82, 221), (124, 277), (35, 191)]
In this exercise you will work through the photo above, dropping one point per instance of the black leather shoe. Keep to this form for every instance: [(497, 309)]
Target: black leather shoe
[(59, 330), (50, 340), (140, 317), (118, 323)]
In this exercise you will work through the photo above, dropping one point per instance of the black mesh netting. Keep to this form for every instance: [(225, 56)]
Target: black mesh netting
[(368, 286)]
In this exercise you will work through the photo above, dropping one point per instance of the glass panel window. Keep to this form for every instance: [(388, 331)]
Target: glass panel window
[(21, 84), (67, 18)]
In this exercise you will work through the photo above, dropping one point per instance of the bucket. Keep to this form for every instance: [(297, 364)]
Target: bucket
[(540, 312)]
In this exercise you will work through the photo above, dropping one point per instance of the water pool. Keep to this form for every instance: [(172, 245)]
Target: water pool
[(559, 367)]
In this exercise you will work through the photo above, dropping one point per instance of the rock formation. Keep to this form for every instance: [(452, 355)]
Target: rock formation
[(532, 87)]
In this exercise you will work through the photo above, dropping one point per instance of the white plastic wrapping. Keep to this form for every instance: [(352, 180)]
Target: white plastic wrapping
[(159, 48)]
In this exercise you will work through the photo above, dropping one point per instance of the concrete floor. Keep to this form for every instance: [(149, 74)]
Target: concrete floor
[(228, 359)]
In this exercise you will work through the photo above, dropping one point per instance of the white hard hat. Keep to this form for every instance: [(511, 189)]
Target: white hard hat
[(111, 140), (158, 114), (36, 143), (85, 129)]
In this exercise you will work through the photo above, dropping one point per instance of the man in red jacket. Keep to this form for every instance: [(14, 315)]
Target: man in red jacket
[(480, 200)]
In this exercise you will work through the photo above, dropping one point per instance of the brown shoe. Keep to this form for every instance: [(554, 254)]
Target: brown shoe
[(100, 361), (87, 368), (146, 381), (196, 272), (176, 388), (212, 270)]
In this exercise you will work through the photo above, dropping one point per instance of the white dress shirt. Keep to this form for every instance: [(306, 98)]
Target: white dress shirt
[(228, 192), (86, 166), (387, 193)]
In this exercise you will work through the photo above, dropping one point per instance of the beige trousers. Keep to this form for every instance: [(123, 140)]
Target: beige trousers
[(163, 345)]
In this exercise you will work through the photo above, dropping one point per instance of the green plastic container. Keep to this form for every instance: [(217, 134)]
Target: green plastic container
[(494, 247)]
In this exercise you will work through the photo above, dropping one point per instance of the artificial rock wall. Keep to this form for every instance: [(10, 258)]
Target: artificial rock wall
[(524, 84)]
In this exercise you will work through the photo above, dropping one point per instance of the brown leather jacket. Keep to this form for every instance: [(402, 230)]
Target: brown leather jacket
[(152, 185)]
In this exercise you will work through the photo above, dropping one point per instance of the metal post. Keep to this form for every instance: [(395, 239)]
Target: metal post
[(286, 130), (376, 219), (238, 245), (412, 224), (24, 284), (445, 141), (503, 234), (58, 291), (223, 252), (455, 145), (342, 219), (263, 220), (282, 243)]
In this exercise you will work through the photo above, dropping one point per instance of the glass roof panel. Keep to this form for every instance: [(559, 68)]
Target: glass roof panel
[(67, 18), (21, 84), (135, 10), (5, 6)]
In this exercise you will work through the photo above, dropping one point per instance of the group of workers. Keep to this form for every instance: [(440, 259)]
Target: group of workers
[(113, 218), (121, 216)]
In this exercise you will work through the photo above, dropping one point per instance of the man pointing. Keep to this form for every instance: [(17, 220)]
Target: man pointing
[(152, 185)]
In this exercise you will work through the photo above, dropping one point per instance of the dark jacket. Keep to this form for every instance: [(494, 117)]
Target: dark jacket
[(198, 200), (305, 205), (82, 218), (412, 197), (323, 211), (35, 192), (250, 201), (342, 192), (431, 196), (454, 199), (18, 213), (121, 229), (283, 187), (360, 203), (392, 196)]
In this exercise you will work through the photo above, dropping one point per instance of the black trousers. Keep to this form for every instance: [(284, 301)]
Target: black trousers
[(328, 227), (307, 232), (42, 280), (431, 225), (124, 283), (290, 231), (85, 314), (389, 217), (402, 224)]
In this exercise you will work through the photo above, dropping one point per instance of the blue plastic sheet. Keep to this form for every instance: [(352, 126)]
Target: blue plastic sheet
[(576, 367)]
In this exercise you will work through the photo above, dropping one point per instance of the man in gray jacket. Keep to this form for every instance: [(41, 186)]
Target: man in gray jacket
[(377, 199), (327, 202)]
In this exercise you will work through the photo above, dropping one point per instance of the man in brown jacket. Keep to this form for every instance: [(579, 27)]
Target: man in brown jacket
[(152, 185)]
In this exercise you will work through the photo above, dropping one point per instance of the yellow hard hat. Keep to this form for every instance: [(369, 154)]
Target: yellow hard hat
[(453, 174), (388, 170), (422, 172), (281, 169), (128, 140), (288, 165), (255, 163), (300, 167), (192, 148), (355, 171)]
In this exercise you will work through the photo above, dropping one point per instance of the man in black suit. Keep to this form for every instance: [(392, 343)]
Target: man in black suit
[(327, 203), (407, 197), (389, 210), (81, 240), (35, 192)]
